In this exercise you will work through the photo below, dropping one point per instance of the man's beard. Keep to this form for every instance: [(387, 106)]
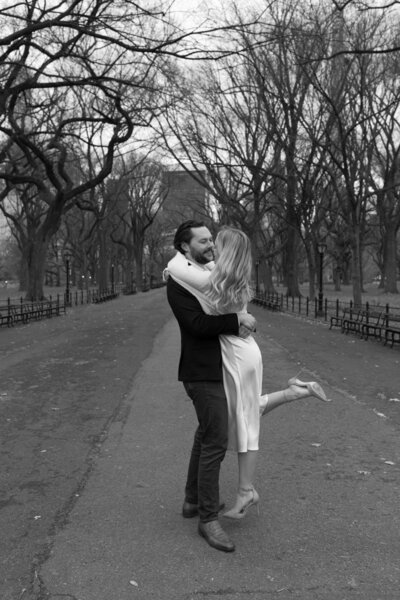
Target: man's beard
[(201, 258)]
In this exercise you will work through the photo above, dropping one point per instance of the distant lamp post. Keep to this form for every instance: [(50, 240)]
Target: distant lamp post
[(112, 278), (67, 258), (257, 265), (321, 251)]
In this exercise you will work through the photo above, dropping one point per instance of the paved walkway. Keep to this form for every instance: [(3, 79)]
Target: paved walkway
[(328, 477)]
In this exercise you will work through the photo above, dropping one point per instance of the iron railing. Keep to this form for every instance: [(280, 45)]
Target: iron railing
[(303, 306)]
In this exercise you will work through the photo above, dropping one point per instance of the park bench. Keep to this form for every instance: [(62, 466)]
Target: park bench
[(5, 316), (20, 313), (15, 313), (270, 302), (354, 321), (363, 322), (23, 312), (38, 310), (337, 320), (372, 324), (104, 296), (256, 299), (366, 323), (391, 329), (53, 308)]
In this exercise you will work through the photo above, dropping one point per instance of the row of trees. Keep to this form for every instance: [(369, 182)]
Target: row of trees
[(118, 232), (299, 135), (288, 118), (80, 83)]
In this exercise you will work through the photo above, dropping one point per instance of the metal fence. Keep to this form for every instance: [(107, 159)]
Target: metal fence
[(20, 310), (94, 295), (13, 313), (303, 306)]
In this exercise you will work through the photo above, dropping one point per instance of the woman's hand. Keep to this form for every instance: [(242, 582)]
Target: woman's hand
[(247, 320)]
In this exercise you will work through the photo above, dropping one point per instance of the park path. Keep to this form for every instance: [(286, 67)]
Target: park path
[(328, 477), (328, 474), (63, 382)]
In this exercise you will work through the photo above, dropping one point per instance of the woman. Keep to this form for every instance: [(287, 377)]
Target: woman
[(225, 288)]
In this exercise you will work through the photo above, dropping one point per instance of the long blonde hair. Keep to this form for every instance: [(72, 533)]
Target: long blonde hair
[(230, 278)]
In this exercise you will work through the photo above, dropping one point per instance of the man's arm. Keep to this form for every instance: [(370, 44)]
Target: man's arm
[(190, 315)]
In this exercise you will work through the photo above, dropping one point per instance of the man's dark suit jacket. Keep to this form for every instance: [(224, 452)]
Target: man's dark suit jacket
[(200, 347)]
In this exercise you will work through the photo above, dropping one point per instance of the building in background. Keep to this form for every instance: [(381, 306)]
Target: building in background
[(185, 199)]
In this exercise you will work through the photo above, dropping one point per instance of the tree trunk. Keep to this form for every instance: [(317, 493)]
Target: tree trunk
[(346, 273), (102, 278), (265, 278), (312, 271), (35, 257), (336, 278), (356, 269), (291, 264), (23, 274), (390, 277), (138, 252), (83, 282), (129, 268)]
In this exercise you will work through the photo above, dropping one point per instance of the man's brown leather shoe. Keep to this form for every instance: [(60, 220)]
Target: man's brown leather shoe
[(190, 510), (215, 536)]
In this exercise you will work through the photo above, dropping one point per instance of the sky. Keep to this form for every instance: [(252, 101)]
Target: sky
[(191, 9), (190, 12), (195, 11)]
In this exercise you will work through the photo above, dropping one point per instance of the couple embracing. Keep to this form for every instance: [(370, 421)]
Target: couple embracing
[(221, 369)]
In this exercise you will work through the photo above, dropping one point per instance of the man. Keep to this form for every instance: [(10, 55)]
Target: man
[(200, 370)]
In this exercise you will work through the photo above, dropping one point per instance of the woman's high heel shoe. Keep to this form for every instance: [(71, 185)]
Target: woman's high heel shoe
[(313, 388), (246, 498)]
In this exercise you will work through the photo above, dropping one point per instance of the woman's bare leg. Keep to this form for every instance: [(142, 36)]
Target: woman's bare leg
[(294, 392), (247, 495), (275, 399), (247, 462)]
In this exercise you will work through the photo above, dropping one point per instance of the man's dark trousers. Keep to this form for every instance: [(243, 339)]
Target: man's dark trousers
[(209, 446)]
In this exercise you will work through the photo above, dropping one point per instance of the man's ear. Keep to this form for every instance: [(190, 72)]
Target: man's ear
[(185, 247)]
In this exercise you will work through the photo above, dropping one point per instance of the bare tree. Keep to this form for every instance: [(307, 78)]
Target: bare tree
[(253, 126), (216, 131), (282, 54), (352, 129), (78, 79), (139, 194), (385, 180), (78, 236), (285, 68)]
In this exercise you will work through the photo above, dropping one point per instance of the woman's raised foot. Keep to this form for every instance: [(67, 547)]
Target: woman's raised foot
[(313, 389)]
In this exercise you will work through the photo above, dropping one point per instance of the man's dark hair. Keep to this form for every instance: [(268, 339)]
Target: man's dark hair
[(184, 233)]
